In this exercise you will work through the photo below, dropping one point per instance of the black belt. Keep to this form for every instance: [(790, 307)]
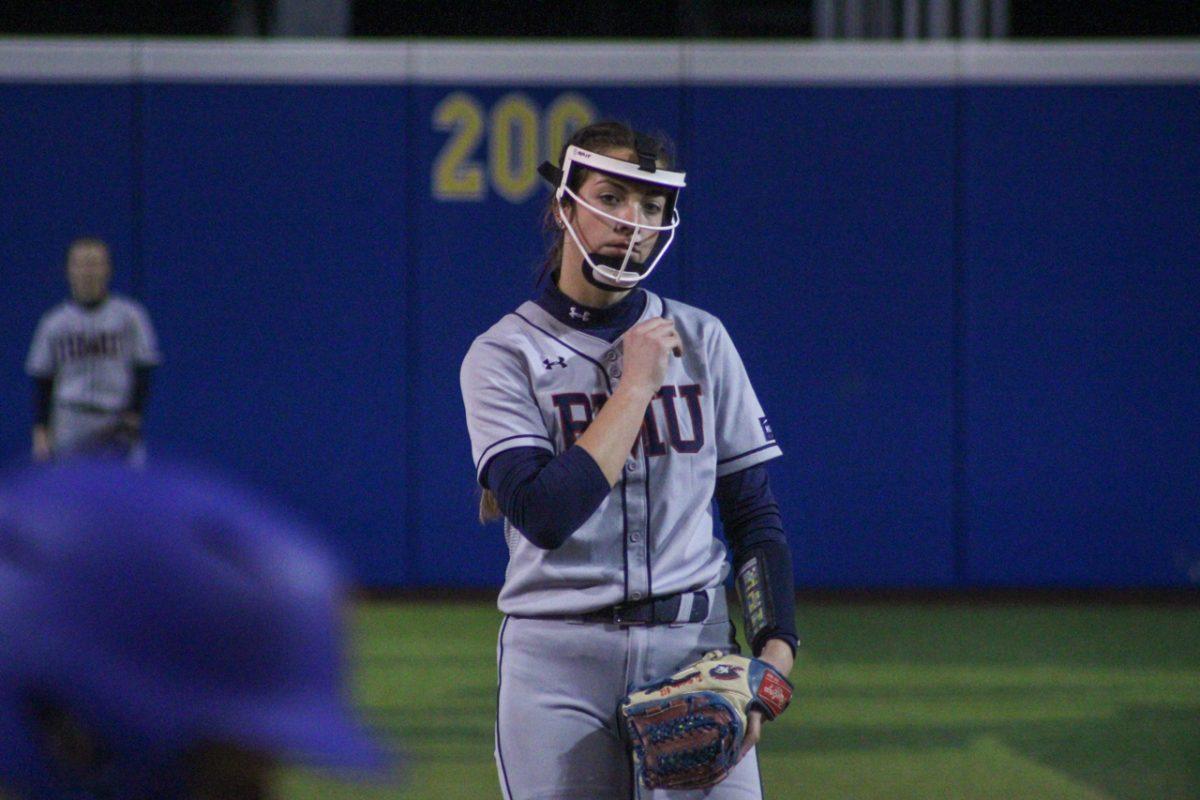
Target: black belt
[(86, 408), (652, 611)]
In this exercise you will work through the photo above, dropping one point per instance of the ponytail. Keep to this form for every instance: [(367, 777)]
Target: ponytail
[(489, 508)]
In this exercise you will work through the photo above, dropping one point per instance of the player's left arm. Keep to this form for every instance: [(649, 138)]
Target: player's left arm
[(145, 340), (763, 566), (145, 358), (137, 396), (762, 560)]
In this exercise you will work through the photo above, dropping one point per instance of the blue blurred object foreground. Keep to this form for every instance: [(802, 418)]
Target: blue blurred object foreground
[(147, 615)]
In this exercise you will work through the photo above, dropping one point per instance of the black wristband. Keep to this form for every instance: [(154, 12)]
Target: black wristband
[(766, 588)]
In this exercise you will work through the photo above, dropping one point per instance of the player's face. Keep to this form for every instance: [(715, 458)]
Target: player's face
[(633, 201), (88, 272)]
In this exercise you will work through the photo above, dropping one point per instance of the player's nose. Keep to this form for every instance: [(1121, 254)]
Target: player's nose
[(629, 215)]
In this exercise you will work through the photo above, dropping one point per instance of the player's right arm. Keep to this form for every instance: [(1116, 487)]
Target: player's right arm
[(43, 391), (610, 436), (544, 494), (547, 496), (40, 366)]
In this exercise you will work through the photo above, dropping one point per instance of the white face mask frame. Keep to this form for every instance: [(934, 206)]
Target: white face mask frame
[(621, 277)]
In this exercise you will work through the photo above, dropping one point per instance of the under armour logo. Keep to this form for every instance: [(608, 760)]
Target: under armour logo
[(577, 314), (561, 362)]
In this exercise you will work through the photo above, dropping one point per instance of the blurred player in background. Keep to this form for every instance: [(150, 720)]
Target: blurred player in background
[(90, 361), (163, 635)]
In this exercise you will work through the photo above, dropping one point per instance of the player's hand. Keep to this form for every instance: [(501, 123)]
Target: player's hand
[(42, 451), (648, 345), (131, 421), (753, 732), (778, 654)]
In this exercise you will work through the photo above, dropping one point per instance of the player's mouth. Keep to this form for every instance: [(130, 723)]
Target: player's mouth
[(620, 248)]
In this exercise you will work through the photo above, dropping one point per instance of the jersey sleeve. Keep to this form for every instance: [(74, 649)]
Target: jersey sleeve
[(502, 412), (40, 361), (145, 344), (744, 434)]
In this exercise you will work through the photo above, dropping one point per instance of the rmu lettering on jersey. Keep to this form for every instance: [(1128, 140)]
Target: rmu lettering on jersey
[(678, 408), (73, 345)]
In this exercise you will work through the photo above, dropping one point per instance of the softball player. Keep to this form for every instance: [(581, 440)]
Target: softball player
[(604, 420), (90, 361)]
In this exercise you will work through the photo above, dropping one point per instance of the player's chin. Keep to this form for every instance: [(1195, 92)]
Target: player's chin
[(632, 272)]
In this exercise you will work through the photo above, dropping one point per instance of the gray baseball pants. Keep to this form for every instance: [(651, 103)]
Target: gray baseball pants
[(560, 682)]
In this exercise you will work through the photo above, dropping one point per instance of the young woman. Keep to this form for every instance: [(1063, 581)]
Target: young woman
[(604, 419), (91, 360)]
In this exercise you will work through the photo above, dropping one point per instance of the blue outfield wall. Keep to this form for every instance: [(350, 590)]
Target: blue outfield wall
[(1081, 260), (970, 302)]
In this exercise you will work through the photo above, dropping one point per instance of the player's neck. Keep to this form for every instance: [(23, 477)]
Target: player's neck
[(90, 304), (572, 283)]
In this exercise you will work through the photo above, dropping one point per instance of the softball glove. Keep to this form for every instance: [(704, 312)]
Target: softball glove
[(686, 731)]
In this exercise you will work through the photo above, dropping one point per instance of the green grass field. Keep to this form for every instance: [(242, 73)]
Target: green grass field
[(893, 702)]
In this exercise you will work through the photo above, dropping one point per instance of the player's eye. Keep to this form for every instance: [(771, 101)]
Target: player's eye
[(652, 209), (609, 199)]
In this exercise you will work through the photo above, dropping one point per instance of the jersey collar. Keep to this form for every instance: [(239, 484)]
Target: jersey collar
[(89, 307), (607, 323)]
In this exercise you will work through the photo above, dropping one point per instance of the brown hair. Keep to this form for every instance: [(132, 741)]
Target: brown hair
[(489, 507), (599, 137), (87, 241)]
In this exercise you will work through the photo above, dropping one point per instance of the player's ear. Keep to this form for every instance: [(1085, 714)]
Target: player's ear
[(567, 209), (556, 215)]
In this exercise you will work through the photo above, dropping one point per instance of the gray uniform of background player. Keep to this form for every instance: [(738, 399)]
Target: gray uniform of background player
[(652, 536), (91, 353)]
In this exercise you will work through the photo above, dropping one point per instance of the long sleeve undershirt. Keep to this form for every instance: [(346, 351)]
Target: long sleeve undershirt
[(141, 388), (546, 497), (43, 394), (754, 528)]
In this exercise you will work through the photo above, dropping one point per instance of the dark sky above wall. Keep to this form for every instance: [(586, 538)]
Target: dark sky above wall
[(569, 18)]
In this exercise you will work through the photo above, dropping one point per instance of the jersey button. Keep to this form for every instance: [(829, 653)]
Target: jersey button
[(635, 536), (610, 356), (631, 465), (614, 371), (635, 596)]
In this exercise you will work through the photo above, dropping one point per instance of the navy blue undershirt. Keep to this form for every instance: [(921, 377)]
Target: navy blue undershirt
[(754, 528), (547, 497), (606, 323)]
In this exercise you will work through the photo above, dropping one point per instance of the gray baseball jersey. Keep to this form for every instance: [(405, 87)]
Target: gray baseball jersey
[(91, 353), (532, 381)]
